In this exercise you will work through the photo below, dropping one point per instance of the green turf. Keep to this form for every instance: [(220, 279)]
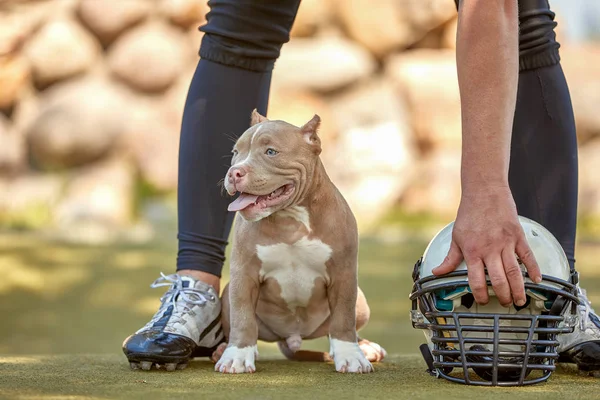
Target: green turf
[(60, 302), (109, 377), (102, 294)]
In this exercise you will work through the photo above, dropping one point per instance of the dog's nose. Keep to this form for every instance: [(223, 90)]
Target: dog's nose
[(235, 174), (238, 173)]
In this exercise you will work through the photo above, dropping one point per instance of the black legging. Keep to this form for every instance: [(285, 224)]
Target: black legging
[(241, 43), (543, 159)]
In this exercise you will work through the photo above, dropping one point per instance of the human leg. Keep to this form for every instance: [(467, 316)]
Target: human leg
[(241, 43), (543, 170)]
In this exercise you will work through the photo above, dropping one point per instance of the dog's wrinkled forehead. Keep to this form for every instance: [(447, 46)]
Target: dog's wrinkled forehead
[(278, 133), (279, 138)]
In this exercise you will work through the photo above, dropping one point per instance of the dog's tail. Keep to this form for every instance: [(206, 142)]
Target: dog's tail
[(290, 349)]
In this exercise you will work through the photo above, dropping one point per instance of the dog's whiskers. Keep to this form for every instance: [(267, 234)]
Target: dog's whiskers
[(221, 185), (231, 137)]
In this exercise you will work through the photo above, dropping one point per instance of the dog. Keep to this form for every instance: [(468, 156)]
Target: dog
[(294, 254)]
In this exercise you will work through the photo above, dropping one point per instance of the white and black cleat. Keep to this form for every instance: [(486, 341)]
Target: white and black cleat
[(187, 325), (170, 366), (582, 346), (147, 366)]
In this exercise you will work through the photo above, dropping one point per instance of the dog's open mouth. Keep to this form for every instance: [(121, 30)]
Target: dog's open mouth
[(248, 201)]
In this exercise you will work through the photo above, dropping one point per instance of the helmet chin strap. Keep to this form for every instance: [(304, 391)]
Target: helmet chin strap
[(504, 374)]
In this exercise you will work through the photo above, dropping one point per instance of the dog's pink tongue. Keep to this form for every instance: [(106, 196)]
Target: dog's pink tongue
[(243, 201)]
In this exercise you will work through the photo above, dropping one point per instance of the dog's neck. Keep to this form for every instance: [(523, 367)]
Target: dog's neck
[(316, 194), (319, 187)]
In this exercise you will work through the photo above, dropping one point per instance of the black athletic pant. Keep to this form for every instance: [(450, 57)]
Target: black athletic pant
[(241, 43)]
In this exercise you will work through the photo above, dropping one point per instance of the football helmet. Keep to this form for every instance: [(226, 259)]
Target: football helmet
[(489, 344)]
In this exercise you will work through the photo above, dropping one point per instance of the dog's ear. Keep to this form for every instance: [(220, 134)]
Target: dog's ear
[(309, 131), (256, 118)]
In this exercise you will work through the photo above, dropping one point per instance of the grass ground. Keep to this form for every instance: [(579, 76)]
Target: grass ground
[(60, 303), (78, 377)]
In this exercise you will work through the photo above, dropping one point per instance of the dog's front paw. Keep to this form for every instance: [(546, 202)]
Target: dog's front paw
[(237, 361), (348, 357)]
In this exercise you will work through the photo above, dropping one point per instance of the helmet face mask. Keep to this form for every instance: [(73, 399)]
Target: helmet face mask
[(491, 345)]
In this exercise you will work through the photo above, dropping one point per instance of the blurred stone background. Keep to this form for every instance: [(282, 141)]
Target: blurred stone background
[(92, 92), (91, 97)]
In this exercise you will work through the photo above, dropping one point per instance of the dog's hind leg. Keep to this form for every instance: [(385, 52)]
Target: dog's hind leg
[(363, 312), (371, 350), (216, 355)]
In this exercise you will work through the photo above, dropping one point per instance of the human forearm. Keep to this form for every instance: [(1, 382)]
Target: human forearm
[(487, 233), (487, 62)]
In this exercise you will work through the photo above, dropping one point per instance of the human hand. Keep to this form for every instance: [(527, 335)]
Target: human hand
[(487, 234)]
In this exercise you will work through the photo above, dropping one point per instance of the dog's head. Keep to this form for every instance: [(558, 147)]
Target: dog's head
[(272, 166)]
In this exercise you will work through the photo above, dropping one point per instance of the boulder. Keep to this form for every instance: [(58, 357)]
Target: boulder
[(431, 40), (150, 57), (589, 184), (173, 101), (195, 39), (59, 50), (25, 111), (108, 19), (324, 64), (372, 161), (392, 24), (435, 187), (580, 64), (428, 80), (17, 25), (370, 102), (449, 34), (77, 122), (152, 139), (98, 195), (312, 15), (299, 107), (12, 148), (185, 13), (14, 79), (371, 170), (16, 28)]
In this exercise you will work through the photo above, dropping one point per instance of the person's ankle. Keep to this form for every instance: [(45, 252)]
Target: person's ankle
[(205, 277)]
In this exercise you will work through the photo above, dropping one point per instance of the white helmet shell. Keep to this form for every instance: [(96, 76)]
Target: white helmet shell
[(548, 252)]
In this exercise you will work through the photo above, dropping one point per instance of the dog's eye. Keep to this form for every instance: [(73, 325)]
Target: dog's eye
[(271, 152), (234, 152)]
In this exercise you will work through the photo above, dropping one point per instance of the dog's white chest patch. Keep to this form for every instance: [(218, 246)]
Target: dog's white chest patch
[(295, 267)]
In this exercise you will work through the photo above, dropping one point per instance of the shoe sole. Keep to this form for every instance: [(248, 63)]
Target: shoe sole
[(586, 355), (147, 365), (145, 361)]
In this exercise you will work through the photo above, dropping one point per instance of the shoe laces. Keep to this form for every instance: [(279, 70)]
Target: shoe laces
[(183, 299)]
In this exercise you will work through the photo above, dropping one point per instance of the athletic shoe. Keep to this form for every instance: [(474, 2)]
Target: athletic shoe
[(187, 325)]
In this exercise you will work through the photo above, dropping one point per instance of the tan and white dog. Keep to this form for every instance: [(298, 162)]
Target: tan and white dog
[(294, 255)]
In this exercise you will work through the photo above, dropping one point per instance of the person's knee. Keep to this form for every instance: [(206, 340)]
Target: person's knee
[(247, 34), (537, 40)]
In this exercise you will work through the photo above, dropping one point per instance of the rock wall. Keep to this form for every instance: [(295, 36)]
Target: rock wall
[(92, 92)]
